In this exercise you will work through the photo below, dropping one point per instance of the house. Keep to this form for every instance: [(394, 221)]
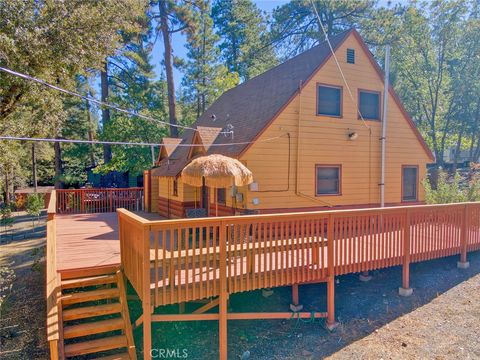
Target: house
[(298, 130)]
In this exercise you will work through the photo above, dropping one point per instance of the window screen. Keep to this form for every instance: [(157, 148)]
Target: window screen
[(221, 196), (328, 180), (409, 183), (369, 105), (329, 101)]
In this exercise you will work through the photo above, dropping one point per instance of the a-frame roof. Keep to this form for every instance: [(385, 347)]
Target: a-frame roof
[(251, 106)]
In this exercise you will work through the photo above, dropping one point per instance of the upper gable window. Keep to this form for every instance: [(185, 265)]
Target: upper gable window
[(329, 100), (351, 56), (369, 104)]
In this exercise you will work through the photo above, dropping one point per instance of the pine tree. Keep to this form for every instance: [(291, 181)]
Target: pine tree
[(243, 30)]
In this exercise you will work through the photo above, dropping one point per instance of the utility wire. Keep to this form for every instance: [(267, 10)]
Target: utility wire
[(96, 101), (73, 141)]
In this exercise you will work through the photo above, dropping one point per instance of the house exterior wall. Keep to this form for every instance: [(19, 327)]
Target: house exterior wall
[(322, 140)]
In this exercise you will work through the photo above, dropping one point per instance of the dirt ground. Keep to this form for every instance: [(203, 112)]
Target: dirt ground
[(441, 320), (361, 309), (446, 328), (22, 291)]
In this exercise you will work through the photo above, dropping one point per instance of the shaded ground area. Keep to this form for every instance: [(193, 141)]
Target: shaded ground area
[(362, 308), (22, 290), (446, 328)]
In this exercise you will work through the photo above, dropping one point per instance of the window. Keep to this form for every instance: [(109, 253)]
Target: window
[(369, 104), (329, 100), (409, 183), (222, 196), (175, 187), (351, 56), (328, 180)]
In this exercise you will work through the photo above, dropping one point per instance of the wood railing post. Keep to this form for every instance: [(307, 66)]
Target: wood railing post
[(146, 303), (82, 201), (222, 326), (463, 263), (405, 290), (331, 323)]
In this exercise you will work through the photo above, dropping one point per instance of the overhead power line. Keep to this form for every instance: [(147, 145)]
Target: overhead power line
[(95, 142), (96, 101)]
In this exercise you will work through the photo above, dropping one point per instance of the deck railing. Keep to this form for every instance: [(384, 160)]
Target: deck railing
[(84, 201), (174, 261), (54, 325), (189, 257)]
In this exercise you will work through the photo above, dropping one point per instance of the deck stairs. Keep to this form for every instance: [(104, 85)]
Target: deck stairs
[(95, 318)]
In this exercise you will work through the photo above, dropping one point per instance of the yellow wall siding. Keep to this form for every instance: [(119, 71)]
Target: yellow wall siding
[(323, 140)]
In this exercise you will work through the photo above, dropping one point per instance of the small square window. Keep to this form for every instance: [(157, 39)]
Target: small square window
[(369, 105), (327, 180), (350, 56), (329, 100)]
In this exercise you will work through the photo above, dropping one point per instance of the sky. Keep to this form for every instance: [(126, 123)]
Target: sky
[(178, 40)]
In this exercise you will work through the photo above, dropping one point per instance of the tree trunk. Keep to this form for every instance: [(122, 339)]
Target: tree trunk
[(34, 167), (7, 188), (107, 149), (457, 149), (90, 134), (168, 67), (58, 166)]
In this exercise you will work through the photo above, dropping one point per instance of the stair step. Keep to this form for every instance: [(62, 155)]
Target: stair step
[(93, 295), (95, 327), (97, 345), (89, 281), (91, 311), (122, 356)]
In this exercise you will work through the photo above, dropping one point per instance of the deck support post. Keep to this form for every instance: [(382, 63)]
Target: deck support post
[(365, 276), (331, 323), (146, 301), (295, 306), (223, 298), (463, 263), (405, 290)]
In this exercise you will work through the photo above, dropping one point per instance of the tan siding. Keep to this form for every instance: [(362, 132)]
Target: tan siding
[(323, 140)]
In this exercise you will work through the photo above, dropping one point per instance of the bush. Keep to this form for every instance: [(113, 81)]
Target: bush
[(454, 189), (34, 206)]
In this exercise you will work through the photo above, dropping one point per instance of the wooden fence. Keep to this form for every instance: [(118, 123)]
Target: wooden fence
[(174, 261), (84, 201)]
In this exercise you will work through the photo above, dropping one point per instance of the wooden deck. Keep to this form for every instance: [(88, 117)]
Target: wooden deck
[(89, 241)]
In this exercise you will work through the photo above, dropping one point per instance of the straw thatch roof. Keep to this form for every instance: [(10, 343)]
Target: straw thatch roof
[(218, 171)]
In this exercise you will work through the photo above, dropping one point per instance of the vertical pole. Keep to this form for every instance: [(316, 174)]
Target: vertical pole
[(383, 139), (405, 290), (331, 323), (111, 200), (222, 326), (146, 306), (295, 298), (463, 263)]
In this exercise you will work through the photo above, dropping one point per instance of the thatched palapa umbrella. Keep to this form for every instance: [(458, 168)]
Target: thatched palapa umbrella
[(218, 171)]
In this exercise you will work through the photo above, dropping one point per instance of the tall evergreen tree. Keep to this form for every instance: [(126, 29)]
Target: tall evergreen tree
[(243, 31), (205, 78)]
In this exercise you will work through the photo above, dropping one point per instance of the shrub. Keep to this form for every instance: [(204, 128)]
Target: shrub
[(34, 206), (453, 189)]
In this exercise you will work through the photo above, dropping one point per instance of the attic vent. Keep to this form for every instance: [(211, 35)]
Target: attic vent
[(351, 56)]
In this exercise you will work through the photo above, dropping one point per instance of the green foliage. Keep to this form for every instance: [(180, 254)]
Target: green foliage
[(244, 41), (34, 204), (453, 189), (295, 27), (6, 218)]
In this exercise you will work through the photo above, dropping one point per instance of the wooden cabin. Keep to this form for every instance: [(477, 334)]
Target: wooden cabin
[(298, 130)]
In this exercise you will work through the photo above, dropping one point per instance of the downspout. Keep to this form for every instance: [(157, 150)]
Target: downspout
[(383, 139)]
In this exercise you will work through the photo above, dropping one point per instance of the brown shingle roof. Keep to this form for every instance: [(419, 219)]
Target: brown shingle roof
[(250, 106)]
